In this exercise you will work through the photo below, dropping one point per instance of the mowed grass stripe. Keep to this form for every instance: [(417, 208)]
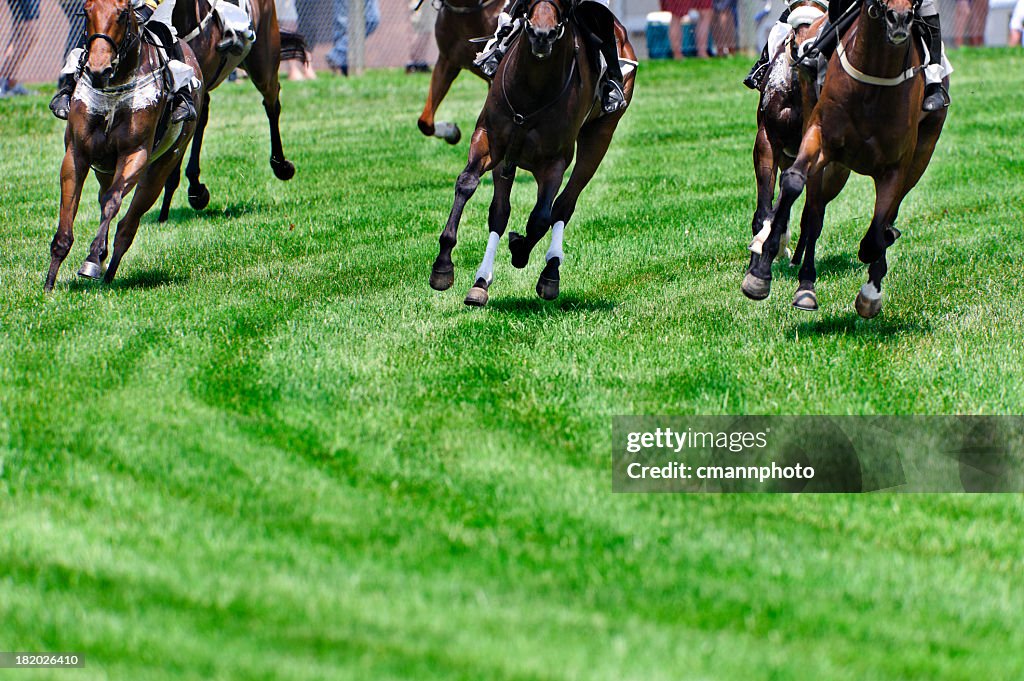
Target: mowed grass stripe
[(272, 452)]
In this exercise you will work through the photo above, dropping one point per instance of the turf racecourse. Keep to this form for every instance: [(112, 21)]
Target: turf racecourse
[(270, 451)]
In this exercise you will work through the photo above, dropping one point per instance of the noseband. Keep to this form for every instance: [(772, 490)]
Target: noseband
[(122, 48), (559, 27), (878, 8)]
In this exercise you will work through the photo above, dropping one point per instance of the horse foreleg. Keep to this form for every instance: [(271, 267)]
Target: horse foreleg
[(170, 186), (497, 222), (765, 170), (549, 179), (442, 274), (758, 280), (73, 171), (198, 194), (821, 189), (129, 170), (151, 183), (441, 80), (888, 196)]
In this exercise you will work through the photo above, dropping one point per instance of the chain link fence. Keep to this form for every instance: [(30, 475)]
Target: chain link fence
[(36, 34)]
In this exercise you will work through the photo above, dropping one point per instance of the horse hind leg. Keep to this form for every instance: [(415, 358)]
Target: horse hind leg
[(263, 63), (441, 79), (198, 194), (171, 186), (497, 222), (549, 180)]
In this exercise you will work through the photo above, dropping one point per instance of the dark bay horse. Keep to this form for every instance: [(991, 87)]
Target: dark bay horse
[(869, 120), (458, 22), (118, 126), (543, 106), (196, 23)]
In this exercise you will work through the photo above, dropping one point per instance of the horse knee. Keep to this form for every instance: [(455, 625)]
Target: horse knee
[(792, 181), (61, 245), (467, 184)]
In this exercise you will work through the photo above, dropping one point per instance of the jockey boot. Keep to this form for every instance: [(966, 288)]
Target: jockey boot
[(613, 97), (183, 108), (60, 105), (930, 32), (755, 78), (489, 58)]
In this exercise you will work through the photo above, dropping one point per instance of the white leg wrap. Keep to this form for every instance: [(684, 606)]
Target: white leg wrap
[(869, 292), (444, 129), (933, 73), (486, 271), (760, 238), (555, 250)]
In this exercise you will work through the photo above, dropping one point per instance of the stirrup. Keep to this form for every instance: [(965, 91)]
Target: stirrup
[(755, 79), (612, 97), (184, 109), (231, 43), (935, 97), (60, 105)]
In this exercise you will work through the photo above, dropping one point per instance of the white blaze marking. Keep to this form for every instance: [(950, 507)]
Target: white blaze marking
[(486, 271), (555, 250), (869, 292)]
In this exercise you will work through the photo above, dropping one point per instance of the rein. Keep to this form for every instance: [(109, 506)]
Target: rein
[(203, 23), (875, 11), (522, 119)]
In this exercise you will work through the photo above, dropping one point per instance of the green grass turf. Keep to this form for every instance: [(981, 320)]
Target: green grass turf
[(270, 451)]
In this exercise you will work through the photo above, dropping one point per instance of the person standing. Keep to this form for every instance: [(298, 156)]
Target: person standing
[(969, 22), (337, 58), (25, 14), (423, 16), (679, 9)]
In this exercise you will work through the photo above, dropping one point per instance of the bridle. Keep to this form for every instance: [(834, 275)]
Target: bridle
[(559, 27), (122, 48), (878, 8)]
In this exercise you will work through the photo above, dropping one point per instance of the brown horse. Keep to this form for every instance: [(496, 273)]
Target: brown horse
[(868, 120), (542, 106), (119, 126), (196, 22), (458, 23)]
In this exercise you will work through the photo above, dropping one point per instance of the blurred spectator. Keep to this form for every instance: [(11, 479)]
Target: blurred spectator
[(24, 14), (337, 58), (1017, 23), (969, 22), (288, 19), (74, 11), (423, 15), (681, 8), (725, 26)]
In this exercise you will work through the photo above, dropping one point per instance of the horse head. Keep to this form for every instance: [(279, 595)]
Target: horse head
[(545, 25), (113, 32), (898, 16)]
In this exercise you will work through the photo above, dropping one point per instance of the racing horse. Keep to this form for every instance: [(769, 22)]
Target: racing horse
[(118, 125), (785, 94), (197, 23), (541, 107), (869, 120), (458, 23)]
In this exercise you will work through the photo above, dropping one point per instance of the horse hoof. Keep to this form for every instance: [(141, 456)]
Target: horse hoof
[(90, 270), (200, 198), (806, 299), (756, 288), (455, 136), (477, 297), (517, 246), (283, 168), (547, 288), (867, 307), (442, 280)]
